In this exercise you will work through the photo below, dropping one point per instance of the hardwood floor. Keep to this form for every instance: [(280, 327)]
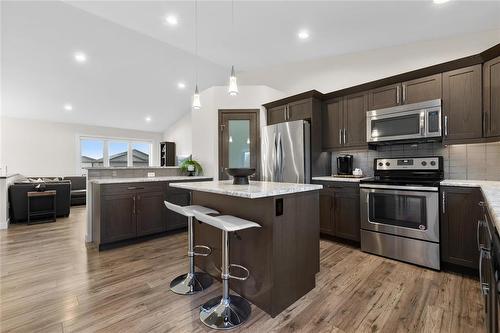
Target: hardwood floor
[(51, 282)]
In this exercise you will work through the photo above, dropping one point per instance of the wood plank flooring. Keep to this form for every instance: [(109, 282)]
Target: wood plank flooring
[(51, 282)]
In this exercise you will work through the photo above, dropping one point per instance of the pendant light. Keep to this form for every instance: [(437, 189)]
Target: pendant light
[(196, 97), (233, 85)]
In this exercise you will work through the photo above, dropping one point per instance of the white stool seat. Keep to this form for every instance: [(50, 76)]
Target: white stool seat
[(188, 210), (227, 223)]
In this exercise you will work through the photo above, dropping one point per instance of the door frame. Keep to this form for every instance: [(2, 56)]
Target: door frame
[(256, 139)]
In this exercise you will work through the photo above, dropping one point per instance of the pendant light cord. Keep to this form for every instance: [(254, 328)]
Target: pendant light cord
[(196, 39), (232, 29)]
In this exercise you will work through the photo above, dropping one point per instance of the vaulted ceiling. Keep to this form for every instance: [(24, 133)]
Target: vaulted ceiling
[(135, 60)]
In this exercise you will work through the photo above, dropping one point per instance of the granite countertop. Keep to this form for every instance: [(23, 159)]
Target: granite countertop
[(491, 193), (147, 179), (339, 179), (256, 189)]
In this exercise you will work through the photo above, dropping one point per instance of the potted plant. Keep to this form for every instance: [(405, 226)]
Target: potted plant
[(191, 167)]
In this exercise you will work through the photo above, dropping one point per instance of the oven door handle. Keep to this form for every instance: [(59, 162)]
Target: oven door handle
[(397, 187)]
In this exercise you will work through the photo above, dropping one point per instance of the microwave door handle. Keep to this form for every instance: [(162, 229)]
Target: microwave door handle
[(422, 124)]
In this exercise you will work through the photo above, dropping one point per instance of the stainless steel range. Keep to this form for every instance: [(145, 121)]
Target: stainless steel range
[(400, 210)]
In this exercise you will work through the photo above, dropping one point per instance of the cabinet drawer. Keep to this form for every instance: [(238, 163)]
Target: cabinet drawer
[(131, 187)]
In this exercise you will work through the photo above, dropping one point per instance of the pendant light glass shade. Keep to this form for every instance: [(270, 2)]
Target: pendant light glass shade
[(196, 99), (233, 84)]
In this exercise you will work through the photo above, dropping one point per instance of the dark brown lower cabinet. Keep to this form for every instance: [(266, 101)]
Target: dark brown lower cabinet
[(150, 217), (460, 212), (117, 217), (179, 197), (339, 210)]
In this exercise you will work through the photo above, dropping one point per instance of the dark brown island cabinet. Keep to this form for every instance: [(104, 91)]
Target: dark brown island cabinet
[(125, 211), (339, 210), (408, 92), (462, 105), (460, 213), (491, 99)]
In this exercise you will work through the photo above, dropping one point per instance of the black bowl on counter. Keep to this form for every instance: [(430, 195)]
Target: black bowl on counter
[(240, 175)]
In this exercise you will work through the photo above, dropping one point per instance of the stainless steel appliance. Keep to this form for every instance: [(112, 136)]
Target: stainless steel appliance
[(488, 244), (285, 152), (400, 210), (415, 122), (344, 164)]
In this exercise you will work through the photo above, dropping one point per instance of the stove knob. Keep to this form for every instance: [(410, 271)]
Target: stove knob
[(380, 163), (433, 163), (387, 163), (424, 163)]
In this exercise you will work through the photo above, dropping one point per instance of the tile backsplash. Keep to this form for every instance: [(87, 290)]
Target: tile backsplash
[(472, 161)]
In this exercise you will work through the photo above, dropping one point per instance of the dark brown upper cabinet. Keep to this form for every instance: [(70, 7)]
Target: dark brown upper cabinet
[(491, 97), (344, 122), (462, 105), (276, 115), (460, 213), (332, 120), (413, 91)]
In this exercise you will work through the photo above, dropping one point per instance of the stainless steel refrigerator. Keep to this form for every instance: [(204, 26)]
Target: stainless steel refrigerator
[(286, 152)]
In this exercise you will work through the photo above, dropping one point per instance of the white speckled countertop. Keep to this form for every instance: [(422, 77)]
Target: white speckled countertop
[(339, 179), (255, 189), (491, 193), (146, 179)]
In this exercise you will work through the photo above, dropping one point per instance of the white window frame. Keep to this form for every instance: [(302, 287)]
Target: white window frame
[(106, 141)]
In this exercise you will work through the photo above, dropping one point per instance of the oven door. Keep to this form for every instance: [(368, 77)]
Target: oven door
[(400, 210)]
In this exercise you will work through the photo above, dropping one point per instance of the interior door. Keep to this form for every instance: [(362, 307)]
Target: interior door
[(239, 141)]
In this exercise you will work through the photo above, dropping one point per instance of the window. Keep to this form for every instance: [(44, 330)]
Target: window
[(118, 154), (140, 154), (91, 154), (104, 152)]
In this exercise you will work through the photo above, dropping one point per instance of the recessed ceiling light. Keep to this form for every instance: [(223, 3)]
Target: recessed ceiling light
[(80, 57), (181, 85), (148, 119), (171, 20), (68, 107), (440, 1), (303, 34)]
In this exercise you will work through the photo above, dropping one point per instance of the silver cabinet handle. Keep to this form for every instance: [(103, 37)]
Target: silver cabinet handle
[(404, 93), (485, 288), (133, 208), (340, 135), (479, 225), (345, 141), (445, 125), (288, 112), (284, 112), (443, 203), (398, 99)]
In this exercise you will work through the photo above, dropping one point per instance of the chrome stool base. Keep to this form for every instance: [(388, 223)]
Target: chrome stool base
[(188, 284), (225, 314)]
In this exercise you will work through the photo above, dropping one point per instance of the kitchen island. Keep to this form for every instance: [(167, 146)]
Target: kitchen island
[(282, 255)]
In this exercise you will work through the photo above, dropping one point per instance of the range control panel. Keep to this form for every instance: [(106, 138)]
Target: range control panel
[(417, 163)]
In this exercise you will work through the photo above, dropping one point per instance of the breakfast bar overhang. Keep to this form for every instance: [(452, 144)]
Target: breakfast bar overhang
[(282, 256)]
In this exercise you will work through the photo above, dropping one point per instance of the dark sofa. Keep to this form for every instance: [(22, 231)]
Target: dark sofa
[(19, 202), (78, 189)]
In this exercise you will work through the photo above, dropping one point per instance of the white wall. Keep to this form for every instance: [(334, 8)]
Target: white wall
[(203, 127), (334, 73), (181, 133), (41, 148)]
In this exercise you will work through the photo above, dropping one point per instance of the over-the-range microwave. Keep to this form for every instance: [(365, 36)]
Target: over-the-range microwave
[(418, 121)]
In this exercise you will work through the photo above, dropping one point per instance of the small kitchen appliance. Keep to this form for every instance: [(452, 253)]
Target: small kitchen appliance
[(344, 164)]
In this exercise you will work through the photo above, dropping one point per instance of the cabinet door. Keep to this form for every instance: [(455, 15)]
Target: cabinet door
[(422, 89), (325, 211), (459, 215), (462, 104), (299, 110), (332, 122), (491, 93), (346, 213), (276, 115), (355, 107), (149, 210), (118, 219), (181, 198), (384, 97)]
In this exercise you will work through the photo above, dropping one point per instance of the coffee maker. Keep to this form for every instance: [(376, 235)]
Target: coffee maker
[(344, 164)]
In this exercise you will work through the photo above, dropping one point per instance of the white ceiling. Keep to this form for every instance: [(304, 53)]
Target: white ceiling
[(135, 60)]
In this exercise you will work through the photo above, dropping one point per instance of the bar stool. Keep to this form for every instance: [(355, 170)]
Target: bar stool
[(226, 311), (191, 282)]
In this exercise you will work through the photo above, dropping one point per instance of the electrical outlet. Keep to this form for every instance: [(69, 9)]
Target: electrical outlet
[(151, 174), (113, 173)]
